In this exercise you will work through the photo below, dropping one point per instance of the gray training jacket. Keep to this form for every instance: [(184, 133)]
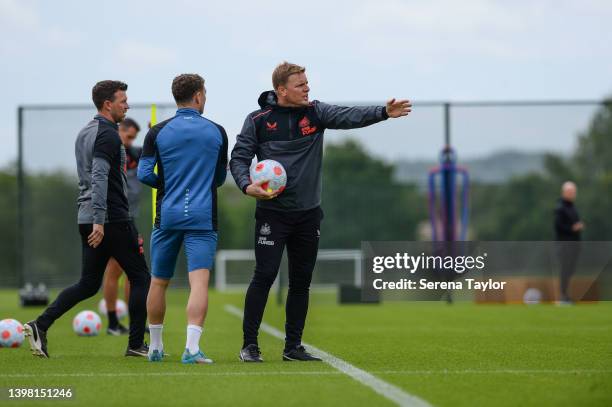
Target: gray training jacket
[(294, 137), (101, 167)]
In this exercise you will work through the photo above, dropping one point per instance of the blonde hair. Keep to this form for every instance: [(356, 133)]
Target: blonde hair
[(283, 71)]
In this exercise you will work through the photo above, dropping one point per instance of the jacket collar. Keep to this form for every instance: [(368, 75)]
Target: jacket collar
[(269, 100), (105, 120), (187, 111)]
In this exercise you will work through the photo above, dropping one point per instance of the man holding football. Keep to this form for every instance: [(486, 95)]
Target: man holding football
[(289, 129)]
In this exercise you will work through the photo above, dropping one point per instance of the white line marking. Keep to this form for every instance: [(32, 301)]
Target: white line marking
[(311, 373), (381, 387), (494, 371)]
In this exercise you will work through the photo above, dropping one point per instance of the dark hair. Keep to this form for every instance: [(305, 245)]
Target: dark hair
[(105, 90), (185, 86), (129, 122)]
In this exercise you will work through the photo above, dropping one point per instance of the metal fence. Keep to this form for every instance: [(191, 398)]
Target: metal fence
[(496, 140)]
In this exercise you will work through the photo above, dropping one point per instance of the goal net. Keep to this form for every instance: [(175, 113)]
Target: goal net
[(234, 269)]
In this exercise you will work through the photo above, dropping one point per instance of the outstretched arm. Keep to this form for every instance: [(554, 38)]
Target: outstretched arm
[(398, 108), (343, 117)]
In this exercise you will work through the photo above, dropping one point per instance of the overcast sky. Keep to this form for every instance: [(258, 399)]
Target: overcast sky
[(54, 51)]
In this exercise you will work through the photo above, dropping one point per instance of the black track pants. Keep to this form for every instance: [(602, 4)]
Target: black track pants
[(299, 231), (568, 252), (121, 242)]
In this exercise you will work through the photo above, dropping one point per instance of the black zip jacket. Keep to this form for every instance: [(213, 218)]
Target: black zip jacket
[(566, 215), (294, 138)]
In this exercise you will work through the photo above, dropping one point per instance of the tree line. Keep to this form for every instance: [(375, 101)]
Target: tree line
[(361, 201)]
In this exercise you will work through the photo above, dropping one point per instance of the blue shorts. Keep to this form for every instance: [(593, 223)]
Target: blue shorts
[(200, 248)]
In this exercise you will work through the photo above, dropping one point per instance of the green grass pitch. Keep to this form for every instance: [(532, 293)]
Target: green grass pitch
[(459, 355)]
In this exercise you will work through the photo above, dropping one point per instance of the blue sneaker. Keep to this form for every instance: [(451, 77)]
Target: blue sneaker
[(198, 357), (156, 356)]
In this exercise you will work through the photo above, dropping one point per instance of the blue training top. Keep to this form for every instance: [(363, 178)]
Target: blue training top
[(191, 156)]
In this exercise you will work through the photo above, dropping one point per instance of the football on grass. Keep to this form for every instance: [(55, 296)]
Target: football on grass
[(121, 308), (87, 323), (11, 333)]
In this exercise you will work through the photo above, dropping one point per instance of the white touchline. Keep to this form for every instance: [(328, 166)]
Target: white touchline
[(381, 387), (495, 371)]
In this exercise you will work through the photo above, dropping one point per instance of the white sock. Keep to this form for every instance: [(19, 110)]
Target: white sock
[(156, 337), (193, 338)]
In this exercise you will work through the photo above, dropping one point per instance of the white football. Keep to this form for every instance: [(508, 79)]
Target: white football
[(532, 296), (121, 308), (87, 323), (272, 172), (11, 333)]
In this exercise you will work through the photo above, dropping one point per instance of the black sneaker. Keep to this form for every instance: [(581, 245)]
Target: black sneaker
[(250, 353), (142, 351), (299, 354), (37, 338), (117, 330)]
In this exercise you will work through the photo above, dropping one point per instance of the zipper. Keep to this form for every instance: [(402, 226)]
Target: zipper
[(290, 127)]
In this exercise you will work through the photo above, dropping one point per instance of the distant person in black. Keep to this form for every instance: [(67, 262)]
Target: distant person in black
[(104, 221), (568, 228)]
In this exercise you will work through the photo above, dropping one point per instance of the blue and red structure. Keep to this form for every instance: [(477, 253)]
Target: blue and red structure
[(443, 208)]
